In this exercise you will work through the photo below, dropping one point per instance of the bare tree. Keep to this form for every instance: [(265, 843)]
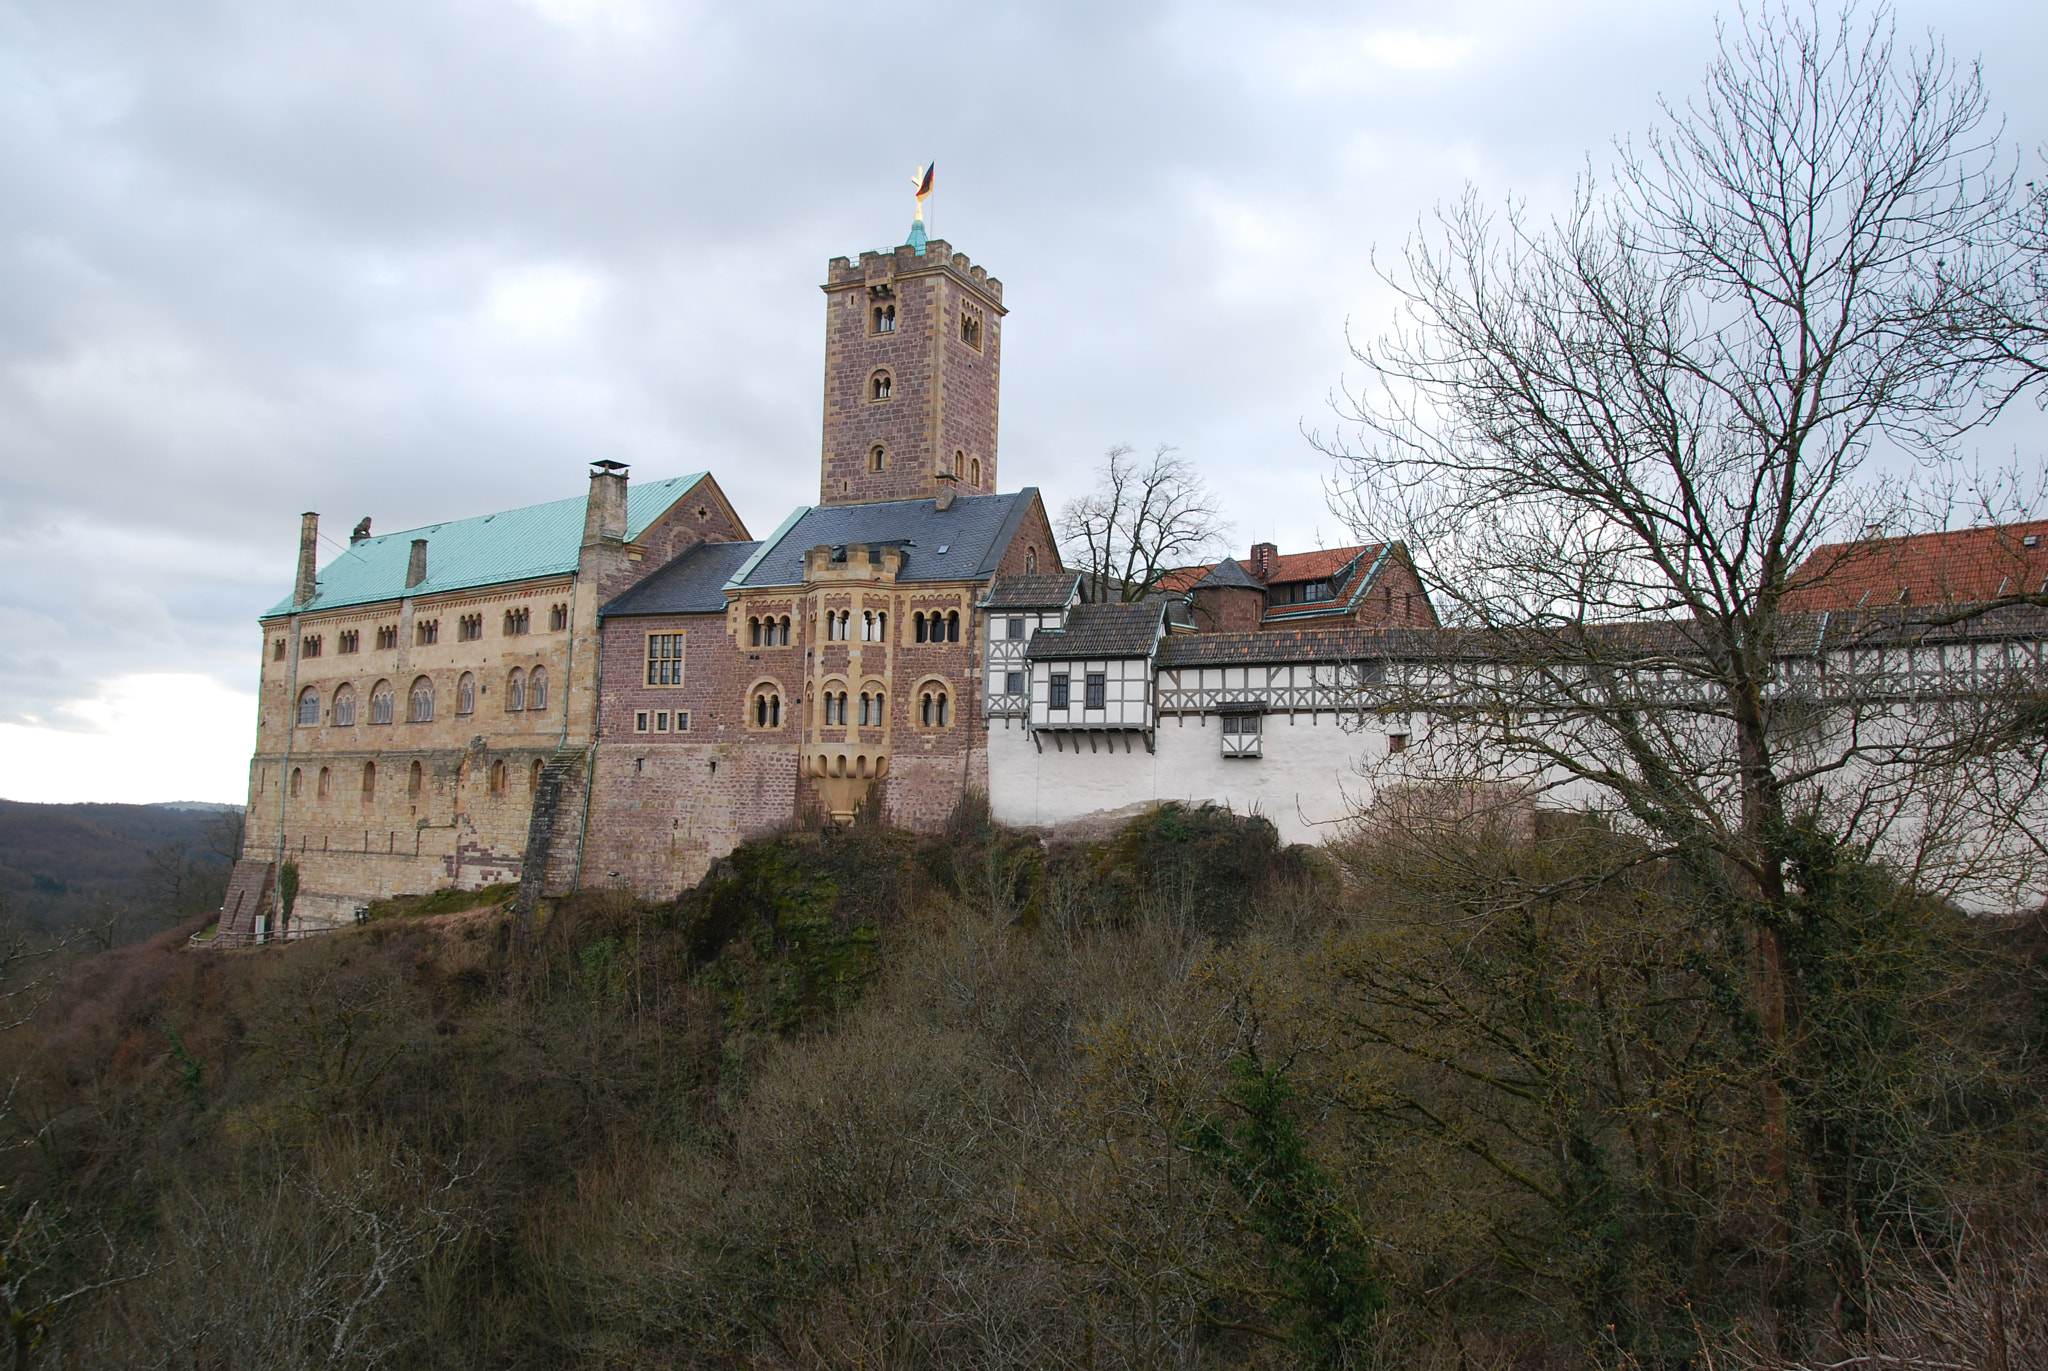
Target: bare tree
[(1145, 518), (1653, 408)]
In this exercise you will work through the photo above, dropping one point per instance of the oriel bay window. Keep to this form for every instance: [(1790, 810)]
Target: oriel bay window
[(665, 658)]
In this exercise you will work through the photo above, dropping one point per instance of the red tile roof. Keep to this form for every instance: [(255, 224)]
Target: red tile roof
[(1965, 565), (1322, 564)]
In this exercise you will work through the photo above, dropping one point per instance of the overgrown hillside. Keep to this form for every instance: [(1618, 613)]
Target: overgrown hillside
[(864, 1098), (115, 870)]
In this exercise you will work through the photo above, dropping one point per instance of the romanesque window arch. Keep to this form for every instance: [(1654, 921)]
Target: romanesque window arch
[(465, 694), (783, 638), (975, 466), (764, 705), (884, 319), (537, 688), (879, 385), (533, 775), (369, 781), (878, 457), (309, 706), (415, 780), (298, 781), (515, 690), (383, 703), (498, 778), (420, 701), (344, 706), (934, 704), (873, 710), (952, 625), (754, 631), (326, 782), (1030, 560), (917, 626)]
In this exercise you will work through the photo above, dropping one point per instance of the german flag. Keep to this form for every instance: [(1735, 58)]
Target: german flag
[(924, 187)]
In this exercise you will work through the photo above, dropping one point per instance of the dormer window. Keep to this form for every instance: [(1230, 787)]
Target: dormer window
[(970, 326), (879, 386)]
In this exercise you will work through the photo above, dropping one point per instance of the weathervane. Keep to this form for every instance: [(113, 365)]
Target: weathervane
[(923, 181)]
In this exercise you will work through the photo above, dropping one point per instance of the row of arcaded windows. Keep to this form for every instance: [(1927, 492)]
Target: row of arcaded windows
[(836, 708), (931, 628), (425, 632), (498, 777), (768, 632), (524, 690)]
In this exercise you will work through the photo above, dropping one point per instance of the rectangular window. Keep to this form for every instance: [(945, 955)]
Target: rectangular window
[(1017, 629), (1241, 725), (1397, 742), (640, 721), (1058, 699), (661, 721), (682, 721), (1096, 689), (350, 641), (1013, 683), (665, 659)]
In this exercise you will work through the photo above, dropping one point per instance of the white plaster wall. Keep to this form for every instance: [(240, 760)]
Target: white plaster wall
[(1310, 781)]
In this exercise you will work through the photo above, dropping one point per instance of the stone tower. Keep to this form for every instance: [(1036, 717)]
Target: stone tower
[(913, 356)]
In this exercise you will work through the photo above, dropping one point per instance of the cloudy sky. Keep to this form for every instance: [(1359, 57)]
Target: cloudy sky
[(421, 259)]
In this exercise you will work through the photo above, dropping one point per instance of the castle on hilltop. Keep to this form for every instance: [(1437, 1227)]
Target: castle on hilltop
[(617, 688)]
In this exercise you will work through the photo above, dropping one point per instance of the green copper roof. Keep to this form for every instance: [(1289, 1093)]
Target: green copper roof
[(512, 545)]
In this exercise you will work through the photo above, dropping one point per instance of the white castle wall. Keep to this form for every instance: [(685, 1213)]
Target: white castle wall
[(1312, 778)]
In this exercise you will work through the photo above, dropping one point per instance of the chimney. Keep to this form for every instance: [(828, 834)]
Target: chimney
[(416, 569), (362, 532), (604, 514), (948, 488), (309, 548), (1265, 557)]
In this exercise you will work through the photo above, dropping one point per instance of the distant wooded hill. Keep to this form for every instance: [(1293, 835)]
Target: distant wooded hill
[(67, 866)]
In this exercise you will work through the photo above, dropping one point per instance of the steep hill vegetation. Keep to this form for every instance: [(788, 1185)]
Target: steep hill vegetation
[(111, 870), (862, 1098)]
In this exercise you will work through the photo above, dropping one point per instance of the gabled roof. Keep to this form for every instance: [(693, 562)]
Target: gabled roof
[(1101, 631), (963, 543), (491, 549), (1228, 574), (693, 583), (1965, 565), (1320, 565), (1039, 590)]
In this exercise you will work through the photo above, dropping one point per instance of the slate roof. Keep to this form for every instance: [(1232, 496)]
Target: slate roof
[(1229, 574), (964, 543), (1970, 564), (1100, 631), (1040, 590), (491, 549), (693, 583)]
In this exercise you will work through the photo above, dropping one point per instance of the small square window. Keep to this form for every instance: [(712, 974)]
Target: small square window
[(1397, 742), (1013, 683), (1058, 696), (1017, 629), (1097, 689)]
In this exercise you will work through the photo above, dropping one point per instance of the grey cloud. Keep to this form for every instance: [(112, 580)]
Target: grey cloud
[(248, 253)]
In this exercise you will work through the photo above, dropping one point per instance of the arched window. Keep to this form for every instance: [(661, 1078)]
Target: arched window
[(533, 775), (917, 626), (959, 467), (537, 688), (975, 467), (415, 780), (383, 703), (767, 709), (1030, 560), (326, 782), (344, 706), (784, 640), (885, 318), (867, 626), (497, 778), (369, 781), (420, 706), (515, 690), (465, 694), (309, 707), (298, 781), (924, 710), (879, 386), (953, 626), (877, 457), (754, 632), (863, 709), (942, 709)]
